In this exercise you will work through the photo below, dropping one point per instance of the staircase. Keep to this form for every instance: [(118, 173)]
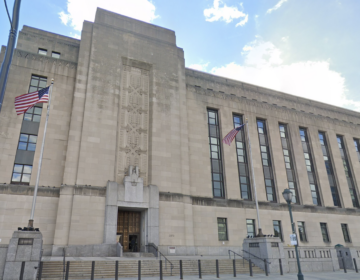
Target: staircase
[(53, 270)]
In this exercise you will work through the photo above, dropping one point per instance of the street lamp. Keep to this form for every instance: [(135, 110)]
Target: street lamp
[(287, 194)]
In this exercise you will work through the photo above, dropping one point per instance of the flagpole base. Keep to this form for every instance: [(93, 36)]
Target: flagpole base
[(31, 224), (260, 234)]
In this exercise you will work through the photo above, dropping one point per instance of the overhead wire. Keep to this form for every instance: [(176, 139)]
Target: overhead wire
[(8, 13)]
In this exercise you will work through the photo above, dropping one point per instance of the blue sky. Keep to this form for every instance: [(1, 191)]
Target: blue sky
[(307, 48)]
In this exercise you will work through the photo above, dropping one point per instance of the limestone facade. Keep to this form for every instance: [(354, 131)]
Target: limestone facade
[(122, 97)]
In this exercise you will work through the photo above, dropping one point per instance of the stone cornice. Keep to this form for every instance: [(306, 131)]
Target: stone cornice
[(29, 190)]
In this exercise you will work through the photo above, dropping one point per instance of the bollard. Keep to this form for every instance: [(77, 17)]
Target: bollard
[(139, 270), (217, 269), (343, 262), (199, 266), (181, 271), (266, 268), (281, 270), (41, 267), (250, 268), (67, 270), (356, 269), (117, 270), (161, 274), (234, 267), (22, 271), (92, 270)]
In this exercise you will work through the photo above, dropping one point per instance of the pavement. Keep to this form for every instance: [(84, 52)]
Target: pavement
[(350, 275)]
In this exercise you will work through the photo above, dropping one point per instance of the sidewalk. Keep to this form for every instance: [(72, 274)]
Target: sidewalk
[(289, 276)]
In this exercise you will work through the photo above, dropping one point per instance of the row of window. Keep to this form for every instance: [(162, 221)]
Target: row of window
[(310, 254), (265, 153), (53, 54), (251, 231)]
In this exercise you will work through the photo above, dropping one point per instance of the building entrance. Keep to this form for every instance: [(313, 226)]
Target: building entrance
[(128, 230)]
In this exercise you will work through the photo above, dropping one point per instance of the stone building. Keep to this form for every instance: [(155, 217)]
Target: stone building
[(133, 151)]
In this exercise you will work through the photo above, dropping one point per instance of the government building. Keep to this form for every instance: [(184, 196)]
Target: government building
[(134, 153)]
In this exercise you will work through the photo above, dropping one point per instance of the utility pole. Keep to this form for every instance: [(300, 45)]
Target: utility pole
[(5, 66)]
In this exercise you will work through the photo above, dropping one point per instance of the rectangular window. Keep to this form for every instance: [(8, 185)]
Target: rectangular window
[(21, 174), (266, 161), (357, 147), (329, 169), (348, 172), (34, 114), (222, 229), (240, 143), (27, 142), (302, 233), (345, 231), (310, 166), (289, 165), (324, 232), (42, 52), (277, 229), (215, 154), (250, 226), (55, 54)]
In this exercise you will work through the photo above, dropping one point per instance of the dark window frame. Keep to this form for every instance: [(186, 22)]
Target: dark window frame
[(325, 232), (27, 143), (223, 222), (40, 50), (21, 173), (265, 155), (329, 168), (55, 53), (36, 83), (310, 166), (302, 231), (346, 233), (241, 152), (217, 172), (251, 222), (357, 147), (279, 232)]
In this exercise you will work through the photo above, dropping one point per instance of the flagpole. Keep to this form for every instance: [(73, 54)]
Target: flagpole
[(253, 179), (31, 221)]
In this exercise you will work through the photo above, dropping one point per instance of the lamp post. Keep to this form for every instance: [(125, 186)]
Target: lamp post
[(287, 194)]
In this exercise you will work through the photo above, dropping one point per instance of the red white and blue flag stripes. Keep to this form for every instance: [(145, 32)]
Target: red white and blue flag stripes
[(28, 100), (231, 135)]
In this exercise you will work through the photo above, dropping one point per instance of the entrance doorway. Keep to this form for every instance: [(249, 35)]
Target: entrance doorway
[(128, 227)]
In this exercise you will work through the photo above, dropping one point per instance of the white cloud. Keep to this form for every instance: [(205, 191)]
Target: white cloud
[(225, 13), (200, 67), (277, 6), (314, 80), (78, 11)]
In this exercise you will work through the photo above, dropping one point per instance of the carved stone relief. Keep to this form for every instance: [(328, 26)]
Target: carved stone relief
[(133, 122)]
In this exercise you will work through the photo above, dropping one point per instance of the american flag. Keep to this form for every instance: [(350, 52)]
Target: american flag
[(231, 135), (28, 100)]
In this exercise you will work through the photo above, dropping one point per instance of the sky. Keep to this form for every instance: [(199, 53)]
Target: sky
[(308, 48)]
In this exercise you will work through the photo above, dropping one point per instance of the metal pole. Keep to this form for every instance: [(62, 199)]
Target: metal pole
[(161, 274), (281, 269), (300, 275), (92, 270), (41, 268), (139, 270), (5, 66), (181, 270), (22, 270), (266, 268), (253, 179), (116, 270), (67, 270), (356, 269), (217, 269), (250, 268), (343, 262), (234, 267), (31, 221), (199, 266)]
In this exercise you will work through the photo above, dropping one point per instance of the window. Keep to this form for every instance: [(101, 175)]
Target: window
[(27, 142), (290, 171), (329, 169), (302, 233), (345, 231), (55, 54), (250, 226), (222, 229), (215, 154), (357, 147), (324, 232), (245, 187), (34, 114), (21, 174), (348, 172), (37, 83), (310, 166), (42, 51), (277, 229), (266, 161)]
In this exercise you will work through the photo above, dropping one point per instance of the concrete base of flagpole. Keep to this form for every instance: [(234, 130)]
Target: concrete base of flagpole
[(31, 224), (260, 233)]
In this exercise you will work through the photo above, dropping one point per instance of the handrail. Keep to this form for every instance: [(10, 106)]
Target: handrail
[(234, 254), (256, 256), (161, 254)]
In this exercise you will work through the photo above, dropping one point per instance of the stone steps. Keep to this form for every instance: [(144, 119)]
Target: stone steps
[(53, 270)]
